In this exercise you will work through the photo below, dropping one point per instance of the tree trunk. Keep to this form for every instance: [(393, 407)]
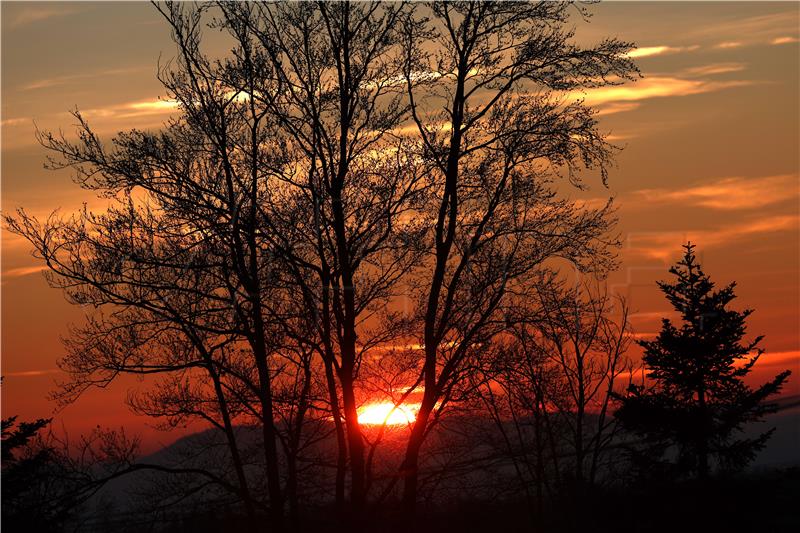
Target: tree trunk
[(410, 472), (409, 469), (702, 442), (268, 426), (341, 441), (355, 443), (291, 482), (235, 456)]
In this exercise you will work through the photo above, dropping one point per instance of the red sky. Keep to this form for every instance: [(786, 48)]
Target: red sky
[(710, 139)]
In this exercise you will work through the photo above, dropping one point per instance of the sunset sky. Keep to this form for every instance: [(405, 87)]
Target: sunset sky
[(710, 137)]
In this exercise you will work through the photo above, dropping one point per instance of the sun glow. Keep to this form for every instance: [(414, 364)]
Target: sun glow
[(380, 413)]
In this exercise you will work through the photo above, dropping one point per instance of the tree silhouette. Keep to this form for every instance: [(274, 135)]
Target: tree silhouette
[(28, 474), (550, 390), (48, 481), (501, 136), (342, 161), (698, 401), (348, 237)]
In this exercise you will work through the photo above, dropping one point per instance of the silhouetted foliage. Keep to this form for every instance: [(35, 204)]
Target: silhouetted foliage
[(22, 476), (49, 482), (32, 497), (697, 403)]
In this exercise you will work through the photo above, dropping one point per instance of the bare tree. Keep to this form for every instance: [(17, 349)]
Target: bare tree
[(584, 334), (498, 71), (259, 247), (181, 263), (220, 255), (159, 319), (338, 67)]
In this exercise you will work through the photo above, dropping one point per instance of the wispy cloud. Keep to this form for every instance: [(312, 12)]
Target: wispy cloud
[(21, 271), (65, 80), (664, 245), (134, 109), (728, 44), (31, 15), (32, 373), (53, 82), (154, 106), (784, 40), (715, 68), (653, 315), (642, 335), (617, 107), (593, 203), (779, 358), (647, 51), (755, 27), (10, 122), (731, 193), (104, 120), (655, 87), (749, 31)]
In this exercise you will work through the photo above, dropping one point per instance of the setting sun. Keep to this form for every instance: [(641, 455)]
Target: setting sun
[(386, 413)]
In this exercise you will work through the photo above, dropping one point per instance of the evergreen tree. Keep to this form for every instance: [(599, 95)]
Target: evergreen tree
[(32, 487), (697, 403)]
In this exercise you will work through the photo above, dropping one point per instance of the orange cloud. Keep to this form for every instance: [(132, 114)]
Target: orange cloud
[(647, 51), (780, 358), (664, 245), (14, 273), (32, 373), (715, 68), (22, 271), (618, 107), (728, 44), (758, 27), (644, 335), (654, 87), (652, 315), (593, 203), (134, 109), (731, 193), (784, 40), (64, 80), (31, 15), (11, 122)]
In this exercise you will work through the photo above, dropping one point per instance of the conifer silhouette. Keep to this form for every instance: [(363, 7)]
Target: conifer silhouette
[(696, 402)]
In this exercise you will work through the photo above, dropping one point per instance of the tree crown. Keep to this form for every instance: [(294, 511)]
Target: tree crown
[(702, 352)]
